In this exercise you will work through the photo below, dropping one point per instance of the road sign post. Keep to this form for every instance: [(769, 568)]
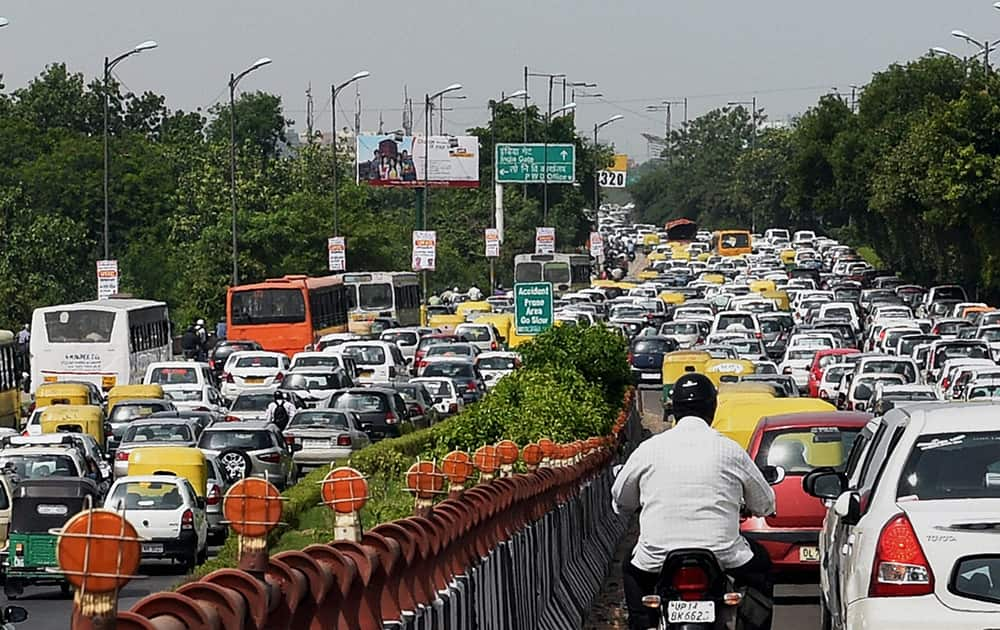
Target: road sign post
[(521, 163), (532, 307)]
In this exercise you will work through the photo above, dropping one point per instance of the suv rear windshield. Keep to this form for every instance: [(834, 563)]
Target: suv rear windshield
[(126, 411), (252, 402), (174, 376), (366, 355), (360, 402), (799, 451), (449, 369), (170, 432), (243, 440), (318, 361), (474, 333), (401, 338), (735, 322), (953, 466), (147, 495), (257, 362)]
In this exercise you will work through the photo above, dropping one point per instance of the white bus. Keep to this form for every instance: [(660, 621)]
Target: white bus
[(392, 294), (105, 342)]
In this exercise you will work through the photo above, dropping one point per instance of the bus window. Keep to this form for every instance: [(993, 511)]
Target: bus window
[(581, 274), (375, 297), (79, 326), (528, 272), (557, 273), (272, 306)]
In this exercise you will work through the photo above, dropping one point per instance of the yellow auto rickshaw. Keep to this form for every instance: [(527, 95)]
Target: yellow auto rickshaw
[(504, 323), (181, 461), (762, 286), (87, 419), (746, 389), (677, 364), (787, 257), (727, 370), (649, 274), (737, 416), (119, 393), (445, 323), (714, 278), (49, 394), (654, 256), (780, 299), (650, 240), (673, 298), (467, 308)]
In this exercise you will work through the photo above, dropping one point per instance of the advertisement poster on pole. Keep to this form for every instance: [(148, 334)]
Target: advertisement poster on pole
[(545, 240), (385, 160), (337, 251), (107, 278), (424, 250), (596, 245), (492, 243)]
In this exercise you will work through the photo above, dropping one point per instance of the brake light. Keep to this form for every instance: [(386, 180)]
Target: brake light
[(630, 357), (121, 456), (390, 418), (945, 383), (289, 439), (493, 345), (470, 386), (24, 433), (187, 520), (787, 370), (344, 440), (453, 408), (232, 419), (214, 495), (270, 458), (420, 409), (278, 376), (900, 568), (228, 377), (690, 582), (759, 335)]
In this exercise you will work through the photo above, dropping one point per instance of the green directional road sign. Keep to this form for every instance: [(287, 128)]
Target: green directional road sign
[(532, 307), (525, 163)]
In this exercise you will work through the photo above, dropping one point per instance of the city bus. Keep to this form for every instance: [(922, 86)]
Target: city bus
[(731, 242), (392, 294), (566, 272), (10, 381), (105, 342), (287, 314)]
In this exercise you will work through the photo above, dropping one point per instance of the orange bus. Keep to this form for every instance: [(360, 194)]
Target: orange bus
[(732, 242), (287, 314)]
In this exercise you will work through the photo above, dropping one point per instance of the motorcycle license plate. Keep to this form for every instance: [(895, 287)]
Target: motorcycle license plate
[(808, 554), (690, 612)]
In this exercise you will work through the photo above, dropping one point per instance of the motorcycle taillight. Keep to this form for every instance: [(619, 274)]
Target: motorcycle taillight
[(690, 582)]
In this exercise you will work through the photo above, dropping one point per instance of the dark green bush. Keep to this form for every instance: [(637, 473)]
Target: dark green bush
[(599, 354)]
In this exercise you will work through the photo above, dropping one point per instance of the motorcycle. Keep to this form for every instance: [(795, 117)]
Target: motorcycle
[(695, 593)]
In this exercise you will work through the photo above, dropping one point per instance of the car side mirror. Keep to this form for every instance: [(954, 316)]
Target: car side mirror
[(773, 475), (848, 508), (824, 483)]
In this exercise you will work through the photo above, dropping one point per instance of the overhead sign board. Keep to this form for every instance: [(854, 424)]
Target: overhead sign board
[(532, 307), (616, 175), (424, 250), (527, 163), (452, 161)]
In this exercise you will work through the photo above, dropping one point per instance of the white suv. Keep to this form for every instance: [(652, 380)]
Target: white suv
[(909, 540)]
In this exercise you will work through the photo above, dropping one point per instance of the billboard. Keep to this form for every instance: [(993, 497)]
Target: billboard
[(452, 161), (424, 250)]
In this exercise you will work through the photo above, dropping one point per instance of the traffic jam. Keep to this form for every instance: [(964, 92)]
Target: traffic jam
[(874, 399)]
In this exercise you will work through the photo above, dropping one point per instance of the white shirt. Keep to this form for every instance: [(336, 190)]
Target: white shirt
[(289, 408), (690, 482)]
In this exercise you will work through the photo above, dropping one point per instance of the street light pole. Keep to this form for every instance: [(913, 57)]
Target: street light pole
[(234, 80), (984, 47), (552, 76), (109, 65), (334, 91), (597, 185), (493, 171), (428, 105)]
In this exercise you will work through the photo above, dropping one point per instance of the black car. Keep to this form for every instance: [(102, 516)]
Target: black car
[(646, 357), (382, 411), (462, 372), (419, 401), (220, 352)]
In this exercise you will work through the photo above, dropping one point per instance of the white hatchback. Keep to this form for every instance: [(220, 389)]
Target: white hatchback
[(909, 540), (252, 369)]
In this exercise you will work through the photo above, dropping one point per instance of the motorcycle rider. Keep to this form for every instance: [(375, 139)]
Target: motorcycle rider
[(280, 410), (690, 482)]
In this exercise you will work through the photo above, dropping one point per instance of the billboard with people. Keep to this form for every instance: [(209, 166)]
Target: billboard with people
[(387, 160)]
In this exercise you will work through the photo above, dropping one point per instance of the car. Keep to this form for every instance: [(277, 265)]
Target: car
[(447, 399), (495, 365), (170, 373), (329, 342), (381, 410), (687, 334), (251, 449), (223, 349), (799, 443), (462, 350), (127, 411), (861, 391), (828, 384), (166, 513), (466, 377), (406, 338), (252, 369), (645, 357), (822, 359), (730, 321), (325, 435), (42, 462), (983, 390), (888, 396), (429, 340), (97, 467), (485, 337), (419, 402), (908, 536), (315, 385), (152, 432), (196, 398), (377, 360), (796, 364)]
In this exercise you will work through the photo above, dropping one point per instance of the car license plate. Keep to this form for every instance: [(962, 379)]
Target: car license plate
[(152, 548), (315, 443), (690, 612), (808, 554), (254, 380)]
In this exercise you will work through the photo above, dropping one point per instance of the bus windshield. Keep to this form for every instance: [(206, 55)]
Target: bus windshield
[(557, 272), (268, 306), (375, 296), (528, 272), (79, 326)]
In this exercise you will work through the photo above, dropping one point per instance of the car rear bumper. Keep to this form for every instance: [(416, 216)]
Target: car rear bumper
[(652, 376), (784, 547), (915, 613), (180, 548), (321, 456)]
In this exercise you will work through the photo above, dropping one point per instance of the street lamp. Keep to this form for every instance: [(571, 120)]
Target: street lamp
[(234, 80), (334, 91), (109, 65), (597, 187), (4, 22), (938, 50), (983, 46), (441, 101), (493, 172)]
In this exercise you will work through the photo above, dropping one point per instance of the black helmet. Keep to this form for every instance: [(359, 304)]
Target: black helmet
[(694, 395), (279, 396)]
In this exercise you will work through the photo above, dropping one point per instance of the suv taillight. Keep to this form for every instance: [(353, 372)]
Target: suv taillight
[(289, 439), (270, 458), (390, 418), (900, 568), (278, 377), (470, 386), (493, 345), (690, 582), (232, 419), (187, 520), (214, 495), (343, 440)]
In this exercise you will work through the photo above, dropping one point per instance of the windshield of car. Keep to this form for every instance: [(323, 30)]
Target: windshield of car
[(449, 369), (164, 432), (474, 333), (904, 369), (401, 338), (126, 412), (799, 451), (252, 402), (801, 355), (174, 376), (147, 495), (959, 351), (990, 334), (360, 402), (679, 328), (953, 466), (317, 361), (297, 380), (242, 440), (325, 419), (79, 326), (366, 355), (183, 395), (38, 466), (456, 349), (746, 346), (496, 363), (438, 389), (652, 346)]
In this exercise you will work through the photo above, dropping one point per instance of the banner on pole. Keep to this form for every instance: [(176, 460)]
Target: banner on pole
[(545, 240), (107, 278), (492, 243), (424, 250), (337, 251)]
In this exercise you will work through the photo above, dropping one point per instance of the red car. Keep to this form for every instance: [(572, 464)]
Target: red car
[(822, 359), (799, 443)]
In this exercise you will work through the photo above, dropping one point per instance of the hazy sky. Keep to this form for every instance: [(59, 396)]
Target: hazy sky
[(640, 52)]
